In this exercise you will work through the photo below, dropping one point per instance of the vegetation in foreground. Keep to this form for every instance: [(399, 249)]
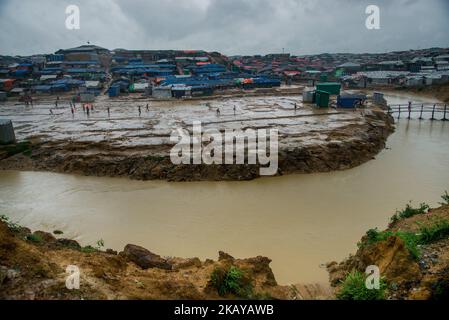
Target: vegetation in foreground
[(231, 280), (412, 255), (354, 288), (409, 211), (445, 198)]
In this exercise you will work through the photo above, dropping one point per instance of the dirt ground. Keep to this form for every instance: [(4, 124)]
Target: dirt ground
[(36, 270)]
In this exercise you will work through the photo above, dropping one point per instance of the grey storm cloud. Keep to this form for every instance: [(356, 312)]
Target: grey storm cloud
[(228, 26)]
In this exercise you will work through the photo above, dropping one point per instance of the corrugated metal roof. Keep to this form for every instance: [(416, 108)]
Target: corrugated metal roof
[(349, 65)]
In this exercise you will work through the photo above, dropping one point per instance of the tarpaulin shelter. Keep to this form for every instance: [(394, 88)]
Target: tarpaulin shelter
[(42, 88), (20, 73), (6, 84), (322, 98), (330, 87), (114, 91), (350, 100)]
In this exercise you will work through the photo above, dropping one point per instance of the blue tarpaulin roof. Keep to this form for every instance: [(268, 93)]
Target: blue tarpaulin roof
[(81, 62), (217, 80), (56, 87), (197, 82), (20, 71), (72, 82), (143, 66), (83, 70), (48, 71), (59, 86), (42, 88), (141, 71)]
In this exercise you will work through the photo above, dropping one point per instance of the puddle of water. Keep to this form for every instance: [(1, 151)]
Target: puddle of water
[(299, 221)]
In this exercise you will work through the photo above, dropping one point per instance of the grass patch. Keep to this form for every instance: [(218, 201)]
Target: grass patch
[(409, 211), (410, 239), (91, 249), (34, 238), (231, 281), (354, 288), (88, 249), (434, 232)]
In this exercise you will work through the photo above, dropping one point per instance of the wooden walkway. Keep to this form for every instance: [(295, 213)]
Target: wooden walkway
[(432, 111)]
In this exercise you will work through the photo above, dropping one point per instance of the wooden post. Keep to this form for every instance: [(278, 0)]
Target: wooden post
[(445, 109), (433, 113), (399, 112), (420, 114), (409, 109)]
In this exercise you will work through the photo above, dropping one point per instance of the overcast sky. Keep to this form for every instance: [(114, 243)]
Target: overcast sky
[(229, 26)]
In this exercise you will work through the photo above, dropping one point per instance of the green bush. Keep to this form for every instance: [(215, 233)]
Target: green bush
[(434, 232), (34, 238), (88, 249), (445, 198), (231, 281), (11, 225), (409, 211), (354, 288), (91, 249), (100, 244)]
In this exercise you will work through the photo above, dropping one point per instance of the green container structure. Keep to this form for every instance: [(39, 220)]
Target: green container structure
[(322, 99), (323, 77), (330, 87)]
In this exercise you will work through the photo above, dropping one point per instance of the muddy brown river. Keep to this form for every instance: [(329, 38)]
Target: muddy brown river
[(299, 221)]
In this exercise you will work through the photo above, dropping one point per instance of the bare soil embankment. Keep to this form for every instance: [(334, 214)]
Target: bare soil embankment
[(33, 266)]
